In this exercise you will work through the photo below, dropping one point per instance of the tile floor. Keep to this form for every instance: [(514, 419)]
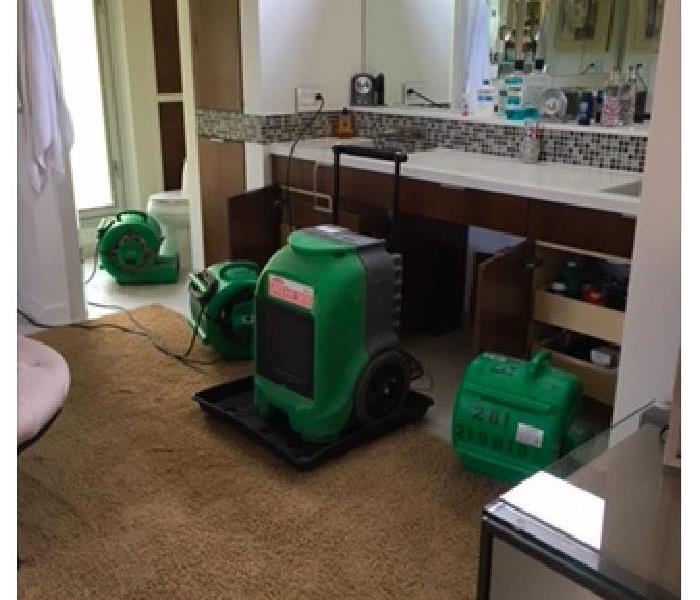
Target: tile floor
[(444, 357)]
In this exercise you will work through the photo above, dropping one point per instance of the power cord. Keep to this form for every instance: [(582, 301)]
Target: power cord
[(94, 267), (417, 370), (300, 136), (182, 357), (142, 332)]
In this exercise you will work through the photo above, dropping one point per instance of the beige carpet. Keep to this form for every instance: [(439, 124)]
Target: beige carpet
[(136, 493)]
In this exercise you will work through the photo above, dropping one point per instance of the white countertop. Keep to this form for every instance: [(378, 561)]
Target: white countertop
[(587, 187)]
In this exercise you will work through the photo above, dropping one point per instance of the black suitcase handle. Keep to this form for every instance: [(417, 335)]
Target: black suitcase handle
[(392, 155)]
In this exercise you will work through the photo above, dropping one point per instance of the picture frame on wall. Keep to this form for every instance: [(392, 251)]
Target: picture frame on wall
[(646, 19), (583, 25)]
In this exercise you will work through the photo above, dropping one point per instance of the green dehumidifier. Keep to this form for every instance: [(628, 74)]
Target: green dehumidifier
[(328, 372), (128, 248)]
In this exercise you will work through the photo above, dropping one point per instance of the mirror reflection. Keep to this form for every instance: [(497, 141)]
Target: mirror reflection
[(550, 59), (410, 42)]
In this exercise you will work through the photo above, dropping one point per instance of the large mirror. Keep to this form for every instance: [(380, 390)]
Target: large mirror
[(417, 44), (410, 42), (576, 36)]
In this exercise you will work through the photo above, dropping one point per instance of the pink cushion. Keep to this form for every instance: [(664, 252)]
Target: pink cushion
[(42, 385)]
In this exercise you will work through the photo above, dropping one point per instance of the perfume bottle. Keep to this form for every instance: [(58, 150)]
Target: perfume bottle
[(530, 145)]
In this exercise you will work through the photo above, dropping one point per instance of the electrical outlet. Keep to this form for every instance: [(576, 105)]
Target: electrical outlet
[(306, 99)]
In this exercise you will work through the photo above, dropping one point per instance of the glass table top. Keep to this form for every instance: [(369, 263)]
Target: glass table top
[(611, 508)]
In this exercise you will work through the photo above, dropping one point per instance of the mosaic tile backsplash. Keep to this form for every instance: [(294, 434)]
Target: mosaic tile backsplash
[(607, 150)]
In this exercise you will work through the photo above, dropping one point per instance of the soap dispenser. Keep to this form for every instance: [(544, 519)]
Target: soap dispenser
[(530, 144), (346, 125)]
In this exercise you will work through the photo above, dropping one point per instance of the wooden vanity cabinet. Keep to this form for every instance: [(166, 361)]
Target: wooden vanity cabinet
[(221, 175), (512, 313), (515, 313)]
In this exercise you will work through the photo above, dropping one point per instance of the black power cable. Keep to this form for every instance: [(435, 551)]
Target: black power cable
[(300, 136), (417, 370), (94, 267), (142, 332)]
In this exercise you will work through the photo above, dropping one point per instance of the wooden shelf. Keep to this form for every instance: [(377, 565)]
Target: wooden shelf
[(582, 317)]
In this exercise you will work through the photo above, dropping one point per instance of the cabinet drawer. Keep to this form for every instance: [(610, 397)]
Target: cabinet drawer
[(576, 315), (598, 383), (584, 228), (464, 207)]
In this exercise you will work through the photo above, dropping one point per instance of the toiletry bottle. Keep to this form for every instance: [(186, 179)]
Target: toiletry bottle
[(640, 96), (346, 125), (610, 115), (586, 108), (627, 94), (599, 95), (530, 144), (380, 89), (514, 87), (535, 85), (486, 99)]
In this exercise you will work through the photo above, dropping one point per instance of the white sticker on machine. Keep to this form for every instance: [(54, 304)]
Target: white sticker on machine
[(290, 291), (529, 435)]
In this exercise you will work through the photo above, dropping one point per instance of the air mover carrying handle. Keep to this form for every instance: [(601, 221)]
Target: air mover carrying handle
[(538, 362), (139, 213), (203, 286), (393, 155)]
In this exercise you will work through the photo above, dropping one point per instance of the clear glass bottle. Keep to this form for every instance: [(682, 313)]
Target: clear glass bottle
[(530, 143), (627, 94), (610, 114)]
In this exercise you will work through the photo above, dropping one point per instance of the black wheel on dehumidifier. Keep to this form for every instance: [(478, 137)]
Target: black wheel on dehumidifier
[(382, 387)]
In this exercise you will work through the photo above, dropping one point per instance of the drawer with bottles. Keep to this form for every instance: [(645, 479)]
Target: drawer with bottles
[(578, 304), (581, 291)]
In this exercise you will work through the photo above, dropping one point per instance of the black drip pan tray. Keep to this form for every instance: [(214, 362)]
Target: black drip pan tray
[(233, 402)]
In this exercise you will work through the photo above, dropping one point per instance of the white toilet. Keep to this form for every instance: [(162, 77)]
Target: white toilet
[(172, 210)]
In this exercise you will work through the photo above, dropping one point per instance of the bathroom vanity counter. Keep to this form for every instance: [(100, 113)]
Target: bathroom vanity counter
[(580, 186), (552, 208)]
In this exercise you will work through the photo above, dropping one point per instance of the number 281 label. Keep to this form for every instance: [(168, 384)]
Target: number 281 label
[(290, 291)]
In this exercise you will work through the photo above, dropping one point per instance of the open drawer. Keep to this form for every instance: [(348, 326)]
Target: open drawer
[(569, 313), (599, 383), (576, 315)]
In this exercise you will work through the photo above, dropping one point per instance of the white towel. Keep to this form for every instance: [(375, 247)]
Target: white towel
[(44, 114)]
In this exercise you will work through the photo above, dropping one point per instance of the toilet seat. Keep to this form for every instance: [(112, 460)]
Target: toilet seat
[(170, 203)]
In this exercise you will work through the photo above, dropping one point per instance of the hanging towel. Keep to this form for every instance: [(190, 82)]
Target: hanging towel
[(44, 115), (478, 59)]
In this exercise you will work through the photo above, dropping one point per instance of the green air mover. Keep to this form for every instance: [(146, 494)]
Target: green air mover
[(328, 370), (221, 307), (513, 417), (128, 247)]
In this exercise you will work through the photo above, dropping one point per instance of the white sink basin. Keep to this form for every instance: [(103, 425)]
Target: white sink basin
[(626, 189)]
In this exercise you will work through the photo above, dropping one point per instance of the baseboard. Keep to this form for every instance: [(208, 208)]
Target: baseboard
[(87, 236), (52, 314)]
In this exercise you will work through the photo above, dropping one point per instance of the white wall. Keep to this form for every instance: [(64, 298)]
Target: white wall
[(191, 185), (653, 323), (49, 276), (410, 40), (288, 43)]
